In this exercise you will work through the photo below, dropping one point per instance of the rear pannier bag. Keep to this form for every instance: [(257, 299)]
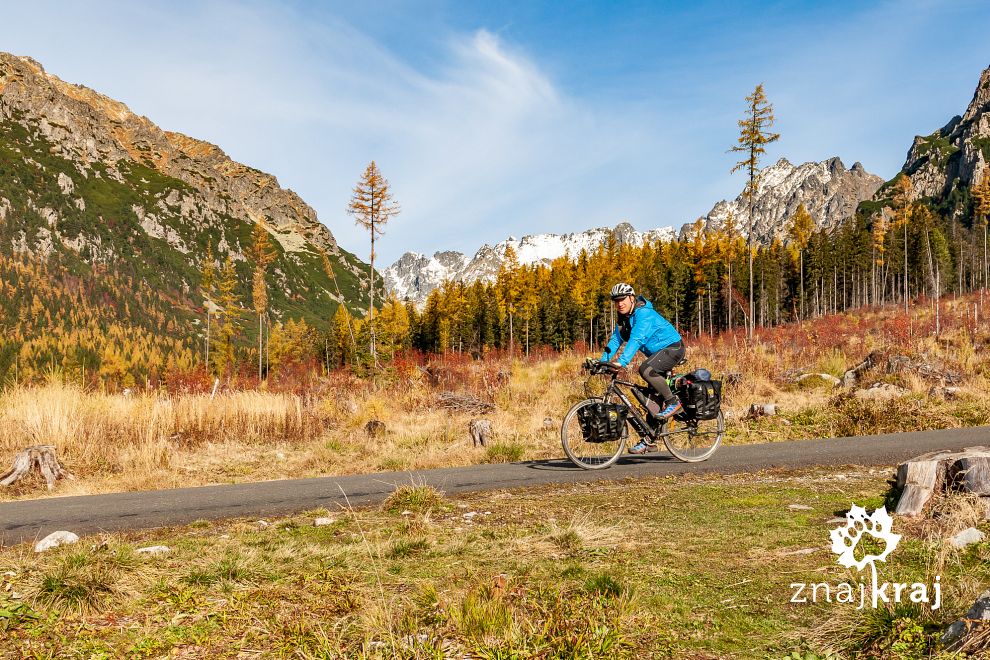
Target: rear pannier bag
[(701, 399), (602, 422)]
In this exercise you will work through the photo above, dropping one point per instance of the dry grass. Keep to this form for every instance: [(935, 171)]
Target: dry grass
[(686, 567), (159, 440)]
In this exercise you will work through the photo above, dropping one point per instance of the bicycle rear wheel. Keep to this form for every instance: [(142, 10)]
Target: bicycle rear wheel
[(693, 441), (584, 454)]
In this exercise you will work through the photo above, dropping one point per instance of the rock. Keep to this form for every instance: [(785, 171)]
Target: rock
[(800, 507), (54, 540), (323, 522), (548, 423), (816, 378), (154, 550), (974, 623), (967, 537), (263, 524), (881, 392)]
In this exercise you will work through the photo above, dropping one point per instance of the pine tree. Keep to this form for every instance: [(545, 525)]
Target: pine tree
[(801, 227), (372, 206), (753, 136)]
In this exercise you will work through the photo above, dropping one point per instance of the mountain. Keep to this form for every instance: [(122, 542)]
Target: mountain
[(828, 190), (91, 192), (414, 275), (106, 221), (942, 166)]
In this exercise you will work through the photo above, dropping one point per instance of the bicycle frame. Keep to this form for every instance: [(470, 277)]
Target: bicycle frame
[(638, 421)]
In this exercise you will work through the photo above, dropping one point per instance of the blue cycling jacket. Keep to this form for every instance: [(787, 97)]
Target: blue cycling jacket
[(643, 330)]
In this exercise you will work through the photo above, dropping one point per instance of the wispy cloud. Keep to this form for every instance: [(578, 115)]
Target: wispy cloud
[(480, 136)]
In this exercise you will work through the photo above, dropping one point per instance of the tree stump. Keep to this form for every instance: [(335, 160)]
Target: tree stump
[(852, 374), (937, 472), (375, 428), (481, 431), (42, 456), (758, 410)]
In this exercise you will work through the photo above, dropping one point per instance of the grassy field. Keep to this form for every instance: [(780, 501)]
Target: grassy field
[(158, 439), (683, 568)]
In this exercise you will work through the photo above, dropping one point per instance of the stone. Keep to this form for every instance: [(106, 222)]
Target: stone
[(323, 522), (967, 537), (154, 550), (975, 622), (881, 392), (800, 507), (54, 540)]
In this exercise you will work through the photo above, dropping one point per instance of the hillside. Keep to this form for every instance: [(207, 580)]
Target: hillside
[(106, 221)]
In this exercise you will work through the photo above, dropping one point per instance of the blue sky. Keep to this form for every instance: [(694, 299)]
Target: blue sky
[(493, 119)]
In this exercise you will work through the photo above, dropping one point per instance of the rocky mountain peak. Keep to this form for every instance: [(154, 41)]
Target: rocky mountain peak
[(957, 154), (829, 191), (93, 181)]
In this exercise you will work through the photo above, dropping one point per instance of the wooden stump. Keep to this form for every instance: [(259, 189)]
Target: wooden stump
[(42, 456), (481, 431), (931, 474), (375, 428)]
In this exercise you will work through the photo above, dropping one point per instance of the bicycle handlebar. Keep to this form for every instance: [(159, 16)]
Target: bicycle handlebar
[(599, 367)]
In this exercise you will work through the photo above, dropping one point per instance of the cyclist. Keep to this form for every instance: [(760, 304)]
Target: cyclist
[(645, 330)]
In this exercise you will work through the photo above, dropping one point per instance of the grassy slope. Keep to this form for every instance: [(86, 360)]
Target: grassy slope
[(695, 568)]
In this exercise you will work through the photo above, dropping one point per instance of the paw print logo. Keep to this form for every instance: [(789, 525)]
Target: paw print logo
[(845, 539)]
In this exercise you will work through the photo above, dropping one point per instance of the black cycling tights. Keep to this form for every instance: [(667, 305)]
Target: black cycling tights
[(655, 366)]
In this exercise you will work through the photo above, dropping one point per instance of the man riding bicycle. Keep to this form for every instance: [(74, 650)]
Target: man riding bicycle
[(645, 330)]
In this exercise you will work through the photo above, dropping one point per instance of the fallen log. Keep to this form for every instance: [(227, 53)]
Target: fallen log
[(938, 472), (40, 456), (464, 403)]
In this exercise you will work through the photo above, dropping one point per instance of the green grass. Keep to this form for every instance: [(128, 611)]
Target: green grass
[(679, 567)]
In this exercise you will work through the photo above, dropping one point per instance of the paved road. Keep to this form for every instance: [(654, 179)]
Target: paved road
[(30, 519)]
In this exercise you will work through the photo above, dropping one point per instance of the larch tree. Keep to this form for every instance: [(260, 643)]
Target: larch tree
[(801, 228), (262, 254), (901, 202), (372, 206), (981, 211), (229, 302), (754, 135)]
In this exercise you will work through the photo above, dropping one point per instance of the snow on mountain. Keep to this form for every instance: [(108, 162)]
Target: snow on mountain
[(828, 190), (415, 275)]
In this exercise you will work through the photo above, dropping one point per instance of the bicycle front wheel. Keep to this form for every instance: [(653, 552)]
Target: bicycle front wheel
[(584, 454), (693, 441)]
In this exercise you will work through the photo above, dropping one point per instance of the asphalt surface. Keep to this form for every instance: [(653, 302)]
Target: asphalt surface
[(28, 520)]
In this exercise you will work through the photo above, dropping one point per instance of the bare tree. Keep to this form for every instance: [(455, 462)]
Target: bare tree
[(753, 136), (372, 206)]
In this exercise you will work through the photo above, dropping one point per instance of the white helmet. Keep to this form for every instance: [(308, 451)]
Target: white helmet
[(621, 290)]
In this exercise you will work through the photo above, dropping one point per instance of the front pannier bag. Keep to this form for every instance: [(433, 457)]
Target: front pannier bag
[(701, 399), (602, 422)]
